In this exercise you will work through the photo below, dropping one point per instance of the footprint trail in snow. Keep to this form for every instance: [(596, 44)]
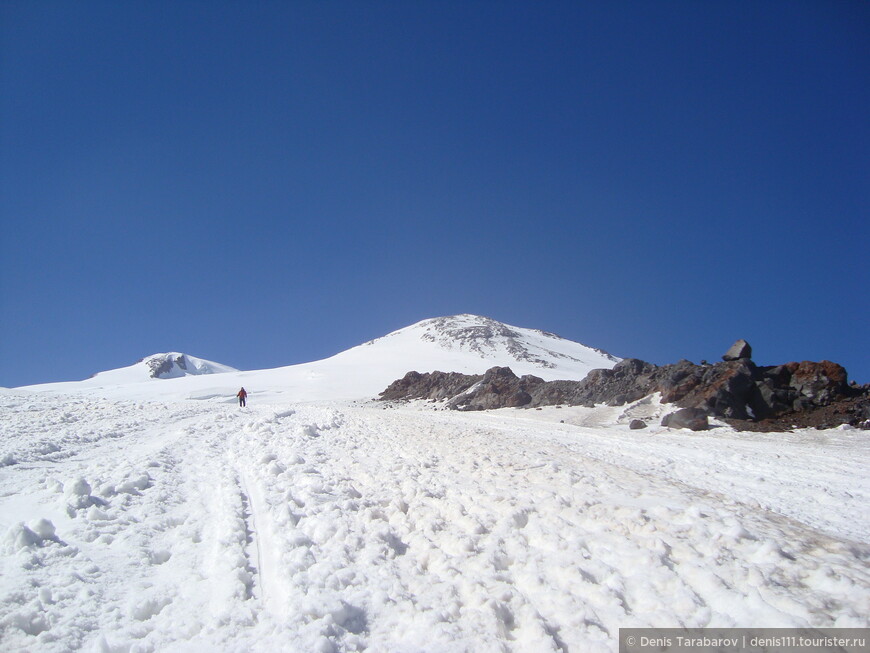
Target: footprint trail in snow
[(340, 527)]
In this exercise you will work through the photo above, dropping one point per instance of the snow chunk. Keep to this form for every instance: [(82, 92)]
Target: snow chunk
[(95, 514), (24, 536), (144, 609), (77, 488), (134, 486), (43, 528), (29, 620), (20, 537)]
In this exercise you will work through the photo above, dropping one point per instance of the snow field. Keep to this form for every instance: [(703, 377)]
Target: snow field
[(130, 526)]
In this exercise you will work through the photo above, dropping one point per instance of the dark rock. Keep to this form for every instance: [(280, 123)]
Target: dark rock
[(630, 380), (737, 390), (499, 388), (800, 404), (518, 399), (738, 350), (725, 389), (862, 409), (820, 383), (161, 366), (687, 418), (637, 424), (678, 380), (776, 399), (434, 386)]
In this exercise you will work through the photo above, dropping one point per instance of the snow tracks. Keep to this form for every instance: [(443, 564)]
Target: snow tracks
[(349, 528)]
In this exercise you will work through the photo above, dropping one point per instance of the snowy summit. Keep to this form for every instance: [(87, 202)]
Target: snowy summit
[(472, 344)]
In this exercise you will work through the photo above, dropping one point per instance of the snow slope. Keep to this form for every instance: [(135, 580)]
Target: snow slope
[(152, 514), (337, 526), (460, 343)]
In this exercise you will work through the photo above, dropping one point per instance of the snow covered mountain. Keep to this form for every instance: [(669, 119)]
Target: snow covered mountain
[(473, 344), (170, 365), (459, 343)]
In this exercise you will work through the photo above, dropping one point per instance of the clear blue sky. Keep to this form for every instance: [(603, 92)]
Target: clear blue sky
[(269, 183)]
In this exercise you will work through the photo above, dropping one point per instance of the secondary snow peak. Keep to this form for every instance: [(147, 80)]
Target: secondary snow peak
[(174, 364)]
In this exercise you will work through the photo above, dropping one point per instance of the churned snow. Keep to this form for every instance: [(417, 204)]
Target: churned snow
[(157, 515), (340, 526)]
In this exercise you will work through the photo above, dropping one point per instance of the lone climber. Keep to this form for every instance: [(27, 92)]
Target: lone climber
[(242, 395)]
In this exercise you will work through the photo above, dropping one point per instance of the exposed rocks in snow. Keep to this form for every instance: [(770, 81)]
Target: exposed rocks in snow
[(174, 365), (499, 388), (161, 366), (486, 337), (431, 385), (854, 411), (637, 424), (735, 389)]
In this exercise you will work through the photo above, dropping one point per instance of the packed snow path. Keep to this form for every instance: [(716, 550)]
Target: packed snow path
[(337, 527)]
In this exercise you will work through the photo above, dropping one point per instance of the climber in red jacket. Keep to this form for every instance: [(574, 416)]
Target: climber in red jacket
[(242, 395)]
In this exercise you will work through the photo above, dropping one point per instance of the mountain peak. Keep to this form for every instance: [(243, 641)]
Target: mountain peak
[(491, 342), (483, 336), (172, 365)]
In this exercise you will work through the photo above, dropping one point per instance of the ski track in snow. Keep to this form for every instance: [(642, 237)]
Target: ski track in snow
[(341, 527)]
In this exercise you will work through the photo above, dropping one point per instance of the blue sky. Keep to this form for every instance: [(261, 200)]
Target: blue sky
[(269, 183)]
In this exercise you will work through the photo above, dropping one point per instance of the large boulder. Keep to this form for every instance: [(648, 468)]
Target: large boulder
[(694, 419), (738, 350)]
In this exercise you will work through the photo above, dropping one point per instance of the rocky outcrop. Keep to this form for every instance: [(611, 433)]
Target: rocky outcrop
[(816, 383), (734, 389), (629, 380), (434, 386), (173, 365), (162, 366), (499, 388)]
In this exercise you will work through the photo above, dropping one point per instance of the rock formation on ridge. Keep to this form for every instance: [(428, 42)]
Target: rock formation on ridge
[(736, 389)]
